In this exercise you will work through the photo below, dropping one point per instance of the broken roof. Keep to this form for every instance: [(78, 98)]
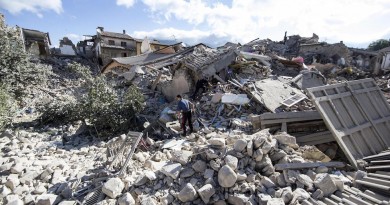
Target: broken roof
[(203, 57), (364, 51), (147, 58), (116, 35), (153, 41), (387, 49), (141, 59), (35, 35)]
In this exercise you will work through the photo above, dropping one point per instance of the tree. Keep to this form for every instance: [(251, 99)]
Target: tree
[(378, 45), (108, 110), (16, 71)]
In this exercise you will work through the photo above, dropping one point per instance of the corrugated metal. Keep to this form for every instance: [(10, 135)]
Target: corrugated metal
[(357, 114)]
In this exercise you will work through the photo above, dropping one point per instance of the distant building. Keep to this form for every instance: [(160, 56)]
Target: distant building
[(383, 60), (67, 47), (36, 42), (108, 45), (336, 53)]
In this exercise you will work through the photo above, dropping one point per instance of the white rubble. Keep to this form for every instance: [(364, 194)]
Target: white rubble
[(113, 187)]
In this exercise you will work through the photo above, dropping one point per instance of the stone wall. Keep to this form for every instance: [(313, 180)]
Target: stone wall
[(327, 51)]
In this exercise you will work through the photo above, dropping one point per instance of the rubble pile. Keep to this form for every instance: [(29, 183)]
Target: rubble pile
[(267, 130), (233, 168), (38, 168)]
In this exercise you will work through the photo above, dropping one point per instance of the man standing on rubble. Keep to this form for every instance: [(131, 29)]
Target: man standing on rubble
[(185, 107)]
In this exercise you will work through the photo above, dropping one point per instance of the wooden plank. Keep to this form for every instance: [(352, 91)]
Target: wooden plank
[(281, 115), (157, 80), (320, 88), (367, 115), (277, 121), (379, 167), (373, 185), (308, 165), (343, 95), (380, 162), (366, 135), (378, 176), (316, 138), (316, 142), (373, 157)]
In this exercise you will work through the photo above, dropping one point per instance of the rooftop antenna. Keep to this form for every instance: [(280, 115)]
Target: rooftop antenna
[(174, 37)]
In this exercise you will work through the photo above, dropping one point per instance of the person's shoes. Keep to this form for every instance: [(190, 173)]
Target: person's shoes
[(183, 134)]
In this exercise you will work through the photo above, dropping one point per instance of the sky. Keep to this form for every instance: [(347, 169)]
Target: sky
[(214, 22)]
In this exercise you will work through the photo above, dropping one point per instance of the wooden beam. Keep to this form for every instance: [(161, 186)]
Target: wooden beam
[(156, 81), (308, 165)]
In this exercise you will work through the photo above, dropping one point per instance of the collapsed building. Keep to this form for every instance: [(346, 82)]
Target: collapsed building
[(36, 42), (289, 97), (272, 128)]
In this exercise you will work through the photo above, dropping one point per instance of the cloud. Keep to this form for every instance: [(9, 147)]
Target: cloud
[(74, 37), (34, 6), (187, 36), (170, 33), (334, 20), (126, 3)]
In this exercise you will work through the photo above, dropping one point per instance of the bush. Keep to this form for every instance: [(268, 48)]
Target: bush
[(107, 110), (5, 108), (378, 45), (16, 71)]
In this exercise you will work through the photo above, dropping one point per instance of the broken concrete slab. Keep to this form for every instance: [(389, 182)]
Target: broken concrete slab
[(240, 99), (308, 79), (226, 176), (217, 141), (264, 92), (113, 187), (48, 199), (181, 156), (308, 165), (325, 183), (187, 193), (206, 192), (172, 170)]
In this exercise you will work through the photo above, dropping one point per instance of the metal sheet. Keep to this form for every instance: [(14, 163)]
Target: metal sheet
[(357, 114)]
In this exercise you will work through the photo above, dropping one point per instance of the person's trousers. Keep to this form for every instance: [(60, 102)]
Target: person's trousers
[(186, 116)]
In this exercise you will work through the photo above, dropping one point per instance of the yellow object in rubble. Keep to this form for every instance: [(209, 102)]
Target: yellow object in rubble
[(349, 70)]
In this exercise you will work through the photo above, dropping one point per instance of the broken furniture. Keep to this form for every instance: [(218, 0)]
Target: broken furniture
[(307, 126), (308, 79)]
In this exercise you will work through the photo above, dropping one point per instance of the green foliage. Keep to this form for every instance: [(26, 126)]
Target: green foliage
[(81, 71), (378, 45), (16, 70), (108, 111), (5, 108)]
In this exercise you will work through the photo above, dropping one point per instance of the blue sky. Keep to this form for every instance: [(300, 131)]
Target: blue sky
[(356, 22)]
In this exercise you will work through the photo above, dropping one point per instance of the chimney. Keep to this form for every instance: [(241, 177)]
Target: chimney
[(341, 42), (124, 31), (100, 28)]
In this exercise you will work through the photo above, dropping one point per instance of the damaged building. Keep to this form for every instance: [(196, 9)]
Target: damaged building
[(36, 42), (182, 68), (383, 60), (337, 53), (107, 45), (270, 128)]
